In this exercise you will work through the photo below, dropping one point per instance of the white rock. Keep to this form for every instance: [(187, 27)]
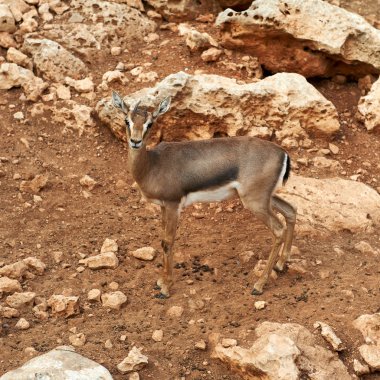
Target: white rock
[(77, 340), (22, 324), (145, 253), (18, 300), (82, 85), (114, 300), (109, 245), (283, 102), (361, 369), (9, 312), (60, 363), (133, 362), (201, 345), (106, 260), (211, 55), (8, 285), (157, 335), (229, 342), (88, 182), (114, 76), (108, 344), (369, 326), (35, 185), (63, 306), (368, 108), (134, 376), (356, 209), (259, 305), (328, 333), (7, 21), (63, 92), (196, 40), (6, 40), (53, 60), (175, 311), (365, 247), (94, 295), (16, 56), (116, 50), (338, 42)]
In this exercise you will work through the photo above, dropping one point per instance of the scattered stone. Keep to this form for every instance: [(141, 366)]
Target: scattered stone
[(360, 368), (63, 306), (328, 333), (108, 344), (9, 312), (7, 21), (114, 300), (35, 185), (157, 335), (60, 363), (109, 245), (175, 311), (145, 253), (94, 295), (18, 300), (201, 345), (333, 148), (365, 248), (260, 305), (85, 85), (246, 256), (116, 50), (113, 285), (133, 362), (88, 182), (77, 340), (228, 342), (8, 285), (211, 55), (7, 41), (134, 376), (63, 92), (196, 40), (259, 269), (106, 260), (16, 56), (22, 324), (114, 76), (368, 107)]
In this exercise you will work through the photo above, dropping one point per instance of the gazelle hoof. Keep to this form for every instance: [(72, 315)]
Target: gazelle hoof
[(161, 296), (256, 292)]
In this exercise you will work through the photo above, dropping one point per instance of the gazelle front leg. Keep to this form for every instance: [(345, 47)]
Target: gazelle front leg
[(170, 214)]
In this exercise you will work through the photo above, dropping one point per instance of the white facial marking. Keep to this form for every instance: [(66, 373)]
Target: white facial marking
[(215, 195)]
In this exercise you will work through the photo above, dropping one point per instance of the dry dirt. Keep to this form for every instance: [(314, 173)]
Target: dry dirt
[(66, 221)]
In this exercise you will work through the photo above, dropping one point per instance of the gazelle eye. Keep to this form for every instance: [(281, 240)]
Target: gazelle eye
[(149, 124), (127, 121)]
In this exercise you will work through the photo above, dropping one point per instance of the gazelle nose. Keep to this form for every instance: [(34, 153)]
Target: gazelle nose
[(137, 142)]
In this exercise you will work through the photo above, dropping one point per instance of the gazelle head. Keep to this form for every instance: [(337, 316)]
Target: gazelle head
[(138, 119)]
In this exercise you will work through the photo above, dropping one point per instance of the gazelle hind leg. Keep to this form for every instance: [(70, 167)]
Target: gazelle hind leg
[(170, 213), (289, 213), (264, 212)]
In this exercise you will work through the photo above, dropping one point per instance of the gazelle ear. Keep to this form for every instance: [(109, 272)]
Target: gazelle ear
[(118, 102), (163, 107)]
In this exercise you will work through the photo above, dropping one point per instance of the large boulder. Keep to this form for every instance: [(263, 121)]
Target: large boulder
[(311, 37), (333, 205), (281, 352), (204, 106), (52, 60), (368, 108), (92, 25), (62, 363)]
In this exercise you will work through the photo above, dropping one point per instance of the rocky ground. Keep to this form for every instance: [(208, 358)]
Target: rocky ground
[(65, 189)]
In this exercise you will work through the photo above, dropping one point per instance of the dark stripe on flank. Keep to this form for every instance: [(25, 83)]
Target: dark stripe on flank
[(287, 171), (217, 180)]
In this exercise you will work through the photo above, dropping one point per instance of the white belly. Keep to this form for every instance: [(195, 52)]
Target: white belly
[(214, 195)]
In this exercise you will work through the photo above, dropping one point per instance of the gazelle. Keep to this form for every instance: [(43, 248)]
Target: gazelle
[(176, 174)]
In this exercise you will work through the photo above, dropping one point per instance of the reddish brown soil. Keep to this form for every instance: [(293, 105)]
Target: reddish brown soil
[(66, 221)]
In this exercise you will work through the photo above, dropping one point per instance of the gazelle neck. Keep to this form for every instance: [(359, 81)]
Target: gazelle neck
[(138, 162)]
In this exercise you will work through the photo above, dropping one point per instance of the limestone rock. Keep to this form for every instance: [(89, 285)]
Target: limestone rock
[(312, 37), (114, 300), (113, 24), (157, 335), (211, 55), (282, 351), (360, 368), (196, 40), (109, 245), (16, 56), (371, 355), (145, 253), (328, 333), (259, 305), (106, 260), (7, 20), (175, 311), (35, 185), (77, 340), (12, 75), (52, 60), (94, 295), (18, 300), (7, 41), (284, 104), (357, 209), (9, 312), (63, 306), (22, 324), (62, 363), (8, 285), (368, 108), (133, 362), (82, 85), (88, 182), (369, 326)]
